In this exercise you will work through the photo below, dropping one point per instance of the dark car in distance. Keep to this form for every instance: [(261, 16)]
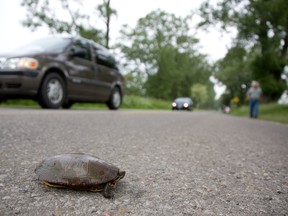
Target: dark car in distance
[(60, 71), (182, 103)]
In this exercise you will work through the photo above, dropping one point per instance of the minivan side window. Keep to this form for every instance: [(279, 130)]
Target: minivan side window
[(104, 58), (85, 46)]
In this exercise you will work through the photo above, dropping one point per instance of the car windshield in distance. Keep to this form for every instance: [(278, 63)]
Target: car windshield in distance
[(182, 100)]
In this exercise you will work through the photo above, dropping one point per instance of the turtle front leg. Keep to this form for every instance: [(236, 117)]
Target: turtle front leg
[(108, 190)]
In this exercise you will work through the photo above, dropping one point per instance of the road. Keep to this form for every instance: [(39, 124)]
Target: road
[(176, 163)]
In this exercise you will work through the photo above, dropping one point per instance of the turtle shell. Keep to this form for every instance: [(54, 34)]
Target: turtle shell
[(76, 170)]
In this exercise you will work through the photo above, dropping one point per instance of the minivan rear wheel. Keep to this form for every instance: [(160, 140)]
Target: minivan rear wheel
[(52, 92), (115, 99)]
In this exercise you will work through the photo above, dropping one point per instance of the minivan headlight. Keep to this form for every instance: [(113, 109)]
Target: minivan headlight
[(14, 63), (11, 63)]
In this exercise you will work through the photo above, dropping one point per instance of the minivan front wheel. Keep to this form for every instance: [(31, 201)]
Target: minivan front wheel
[(115, 99), (52, 92), (67, 105)]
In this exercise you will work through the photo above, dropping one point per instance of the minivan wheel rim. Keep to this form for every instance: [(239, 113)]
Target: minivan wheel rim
[(54, 91), (116, 99)]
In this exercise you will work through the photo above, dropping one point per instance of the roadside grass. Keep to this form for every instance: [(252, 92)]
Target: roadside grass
[(20, 104), (271, 112), (129, 102), (137, 102)]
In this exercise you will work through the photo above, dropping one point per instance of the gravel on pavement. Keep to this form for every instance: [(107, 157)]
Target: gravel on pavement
[(176, 163)]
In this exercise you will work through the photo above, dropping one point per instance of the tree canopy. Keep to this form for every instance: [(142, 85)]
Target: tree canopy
[(262, 34), (162, 47), (66, 16)]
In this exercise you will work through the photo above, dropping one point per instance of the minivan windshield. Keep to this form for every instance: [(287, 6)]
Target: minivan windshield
[(46, 45)]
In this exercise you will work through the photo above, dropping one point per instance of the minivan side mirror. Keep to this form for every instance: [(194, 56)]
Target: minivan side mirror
[(78, 52)]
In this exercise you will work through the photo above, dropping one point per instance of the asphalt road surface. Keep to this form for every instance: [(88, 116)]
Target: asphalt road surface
[(176, 163)]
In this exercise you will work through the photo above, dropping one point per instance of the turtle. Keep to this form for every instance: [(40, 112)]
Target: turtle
[(79, 171)]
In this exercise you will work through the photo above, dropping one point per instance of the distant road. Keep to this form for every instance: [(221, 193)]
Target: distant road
[(177, 163)]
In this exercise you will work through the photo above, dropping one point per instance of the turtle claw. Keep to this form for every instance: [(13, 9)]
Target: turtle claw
[(108, 190)]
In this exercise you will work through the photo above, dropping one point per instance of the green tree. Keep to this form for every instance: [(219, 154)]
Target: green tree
[(135, 83), (262, 29), (66, 16), (235, 71), (199, 94), (162, 47)]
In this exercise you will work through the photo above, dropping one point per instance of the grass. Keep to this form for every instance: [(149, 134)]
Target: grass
[(136, 102), (272, 112), (130, 102), (20, 103)]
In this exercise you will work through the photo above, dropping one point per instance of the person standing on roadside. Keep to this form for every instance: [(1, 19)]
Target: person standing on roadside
[(253, 95)]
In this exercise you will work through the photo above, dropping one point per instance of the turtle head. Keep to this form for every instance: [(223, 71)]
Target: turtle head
[(120, 175)]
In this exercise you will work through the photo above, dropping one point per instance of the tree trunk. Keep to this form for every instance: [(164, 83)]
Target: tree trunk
[(108, 13)]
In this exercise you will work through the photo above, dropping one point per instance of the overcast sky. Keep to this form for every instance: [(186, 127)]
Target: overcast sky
[(13, 34), (129, 11)]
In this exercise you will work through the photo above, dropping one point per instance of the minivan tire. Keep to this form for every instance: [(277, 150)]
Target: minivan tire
[(67, 105), (52, 92), (115, 99)]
